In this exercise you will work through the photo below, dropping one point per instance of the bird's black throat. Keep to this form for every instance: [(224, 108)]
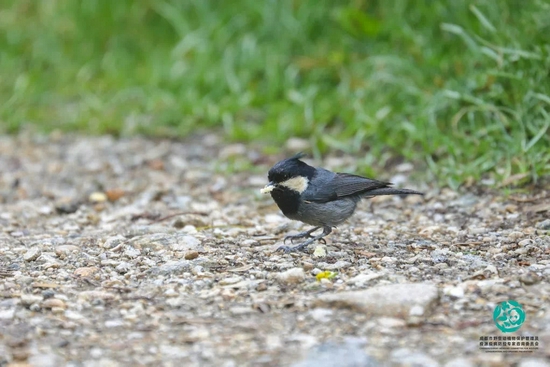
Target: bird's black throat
[(287, 200)]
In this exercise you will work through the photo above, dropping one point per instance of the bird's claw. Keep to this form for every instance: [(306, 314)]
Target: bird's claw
[(298, 236), (285, 249), (288, 249), (294, 237)]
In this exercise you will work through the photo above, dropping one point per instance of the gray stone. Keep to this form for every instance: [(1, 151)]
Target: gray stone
[(347, 354), (45, 360), (394, 300), (294, 275), (32, 254), (185, 243), (410, 358), (172, 267)]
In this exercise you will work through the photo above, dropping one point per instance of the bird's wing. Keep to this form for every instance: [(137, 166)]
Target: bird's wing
[(340, 185)]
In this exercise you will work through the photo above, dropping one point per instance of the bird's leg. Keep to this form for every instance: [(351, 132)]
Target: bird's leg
[(301, 235), (303, 245)]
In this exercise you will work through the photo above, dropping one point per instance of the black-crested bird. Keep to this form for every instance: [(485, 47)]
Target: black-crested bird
[(319, 197)]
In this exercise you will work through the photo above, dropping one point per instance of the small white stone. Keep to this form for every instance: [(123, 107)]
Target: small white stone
[(7, 314), (123, 267), (363, 278), (113, 241), (97, 197), (525, 242), (456, 292), (416, 310), (294, 275), (321, 314), (319, 251), (29, 299), (515, 235), (186, 242), (32, 254), (170, 292), (114, 323)]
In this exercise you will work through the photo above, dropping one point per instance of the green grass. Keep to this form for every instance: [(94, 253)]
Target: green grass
[(463, 86)]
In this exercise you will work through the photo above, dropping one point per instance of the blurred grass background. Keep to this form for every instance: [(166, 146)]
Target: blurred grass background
[(463, 86)]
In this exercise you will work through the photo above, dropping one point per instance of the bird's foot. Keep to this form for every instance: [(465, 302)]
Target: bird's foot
[(305, 244), (306, 234), (289, 249)]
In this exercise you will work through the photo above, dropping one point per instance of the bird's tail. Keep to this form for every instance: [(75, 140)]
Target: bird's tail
[(391, 191)]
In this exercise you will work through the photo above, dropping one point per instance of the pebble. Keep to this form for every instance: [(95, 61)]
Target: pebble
[(29, 299), (513, 236), (115, 194), (123, 267), (477, 230), (172, 267), (340, 264), (525, 242), (65, 249), (321, 314), (51, 303), (530, 278), (390, 322), (97, 197), (94, 295), (456, 292), (319, 251), (86, 271), (185, 243), (346, 354), (361, 279), (113, 241), (45, 360), (292, 276), (32, 254), (114, 323), (544, 225), (190, 255), (7, 314), (239, 310), (394, 300)]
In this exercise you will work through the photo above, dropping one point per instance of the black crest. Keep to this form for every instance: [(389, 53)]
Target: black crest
[(289, 168)]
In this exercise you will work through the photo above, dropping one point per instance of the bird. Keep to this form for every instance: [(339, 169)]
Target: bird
[(319, 197)]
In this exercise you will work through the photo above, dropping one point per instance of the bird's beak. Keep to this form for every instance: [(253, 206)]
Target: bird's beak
[(268, 188)]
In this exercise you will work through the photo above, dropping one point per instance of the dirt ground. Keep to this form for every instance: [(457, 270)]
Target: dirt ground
[(136, 252)]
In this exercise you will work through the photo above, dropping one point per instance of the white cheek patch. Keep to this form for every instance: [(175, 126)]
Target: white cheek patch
[(298, 184)]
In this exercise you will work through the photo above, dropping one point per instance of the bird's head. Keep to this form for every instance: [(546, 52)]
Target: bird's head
[(290, 173)]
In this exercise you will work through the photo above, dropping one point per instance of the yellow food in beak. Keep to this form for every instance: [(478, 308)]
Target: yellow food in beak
[(267, 189)]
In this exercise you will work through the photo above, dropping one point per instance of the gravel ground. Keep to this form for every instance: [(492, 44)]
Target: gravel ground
[(144, 253)]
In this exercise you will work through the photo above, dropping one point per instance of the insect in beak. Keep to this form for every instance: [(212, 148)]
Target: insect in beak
[(268, 188)]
